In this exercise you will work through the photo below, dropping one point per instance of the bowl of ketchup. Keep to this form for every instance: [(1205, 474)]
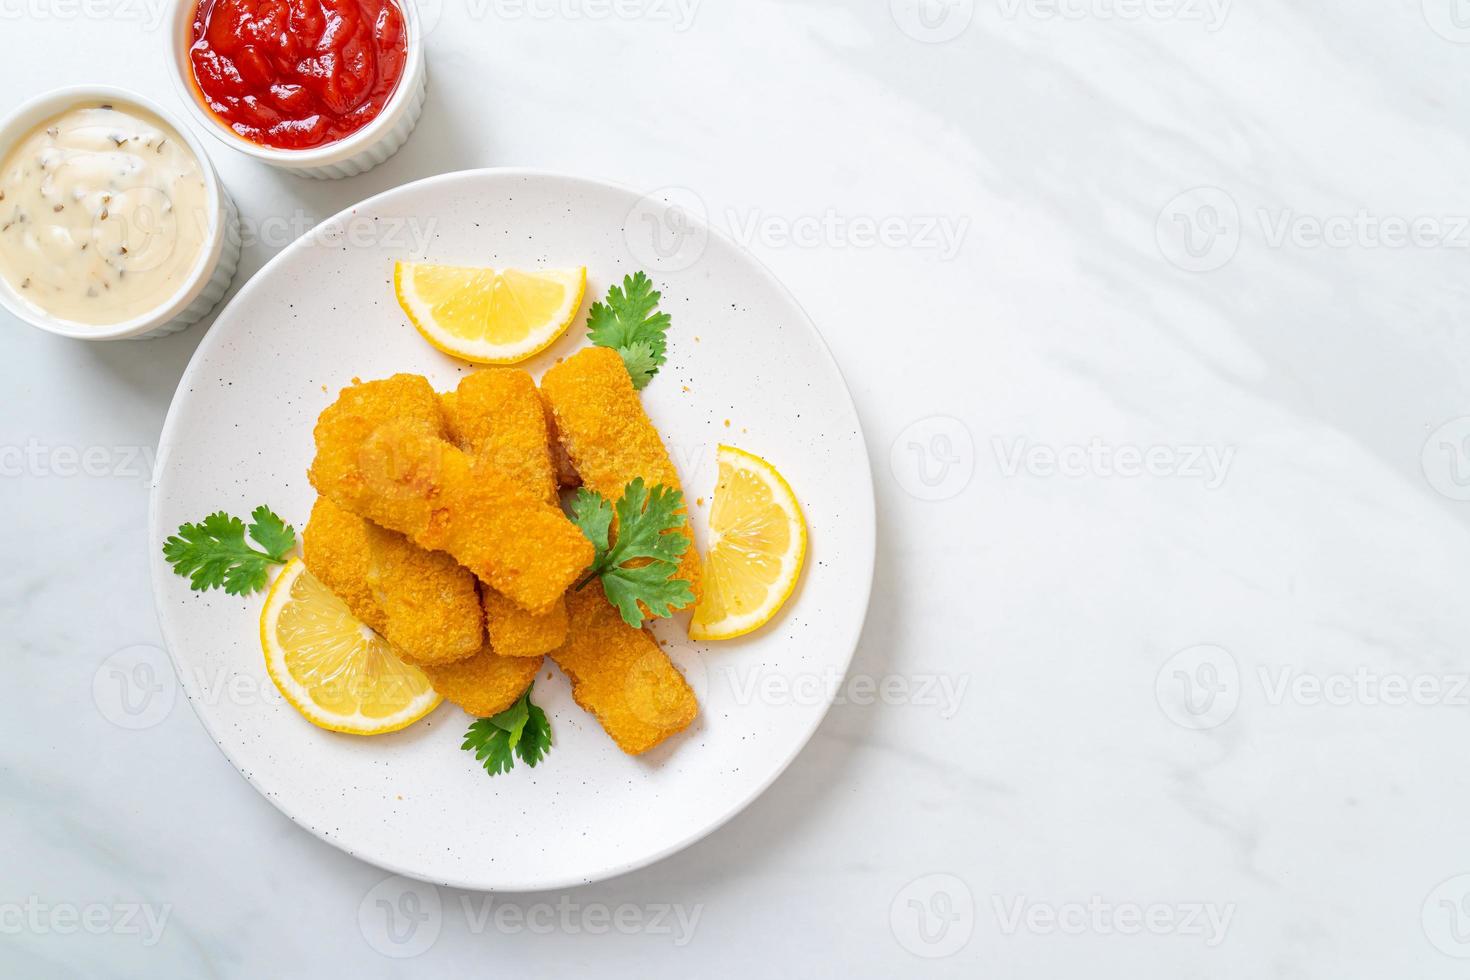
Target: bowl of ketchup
[(325, 88)]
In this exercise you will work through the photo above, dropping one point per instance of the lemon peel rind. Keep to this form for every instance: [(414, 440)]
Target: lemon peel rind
[(792, 563)]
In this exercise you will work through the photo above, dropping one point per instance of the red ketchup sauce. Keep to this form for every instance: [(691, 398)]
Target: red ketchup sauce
[(296, 74)]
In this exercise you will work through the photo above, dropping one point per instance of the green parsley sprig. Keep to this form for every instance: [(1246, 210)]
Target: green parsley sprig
[(627, 322), (644, 516), (213, 554), (522, 730)]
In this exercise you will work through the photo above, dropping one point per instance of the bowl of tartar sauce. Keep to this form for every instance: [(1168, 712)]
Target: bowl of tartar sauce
[(113, 223)]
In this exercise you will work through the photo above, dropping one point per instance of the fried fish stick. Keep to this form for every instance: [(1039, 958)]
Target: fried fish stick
[(434, 616), (360, 471), (601, 423), (485, 684), (514, 632), (566, 473), (381, 454), (621, 675), (496, 416), (335, 547), (421, 602)]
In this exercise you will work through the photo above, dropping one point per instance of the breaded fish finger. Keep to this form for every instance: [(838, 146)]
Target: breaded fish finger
[(421, 602), (496, 416), (355, 468), (620, 675), (433, 607), (380, 456), (604, 429), (335, 547), (485, 684), (566, 473), (514, 632)]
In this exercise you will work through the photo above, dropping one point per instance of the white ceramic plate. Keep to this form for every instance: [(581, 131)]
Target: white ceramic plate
[(321, 313)]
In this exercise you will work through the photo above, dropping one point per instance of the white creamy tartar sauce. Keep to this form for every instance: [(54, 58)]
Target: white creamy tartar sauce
[(103, 214)]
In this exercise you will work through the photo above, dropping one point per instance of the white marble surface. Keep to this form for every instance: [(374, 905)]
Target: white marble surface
[(1290, 551)]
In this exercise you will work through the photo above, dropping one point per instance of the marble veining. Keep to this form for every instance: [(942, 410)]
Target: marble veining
[(1153, 314)]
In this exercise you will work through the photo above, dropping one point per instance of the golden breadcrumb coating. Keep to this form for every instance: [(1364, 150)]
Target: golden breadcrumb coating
[(497, 417), (620, 674), (485, 684), (432, 604), (566, 473), (335, 546), (381, 454), (421, 602), (517, 633), (601, 423)]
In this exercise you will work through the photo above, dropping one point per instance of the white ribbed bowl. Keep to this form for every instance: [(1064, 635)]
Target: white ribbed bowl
[(212, 272), (358, 153)]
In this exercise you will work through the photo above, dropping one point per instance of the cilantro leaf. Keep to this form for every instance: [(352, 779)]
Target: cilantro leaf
[(213, 554), (627, 323), (535, 737), (645, 518), (593, 514), (512, 720), (641, 361), (271, 533), (491, 746), (653, 585), (522, 730)]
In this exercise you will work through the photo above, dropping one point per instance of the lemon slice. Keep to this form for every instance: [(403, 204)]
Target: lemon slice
[(489, 316), (757, 544), (334, 670)]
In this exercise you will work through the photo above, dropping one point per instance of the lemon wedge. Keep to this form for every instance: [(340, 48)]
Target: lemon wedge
[(757, 544), (334, 670), (489, 316)]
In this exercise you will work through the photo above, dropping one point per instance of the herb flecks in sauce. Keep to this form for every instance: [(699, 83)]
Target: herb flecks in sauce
[(114, 176)]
